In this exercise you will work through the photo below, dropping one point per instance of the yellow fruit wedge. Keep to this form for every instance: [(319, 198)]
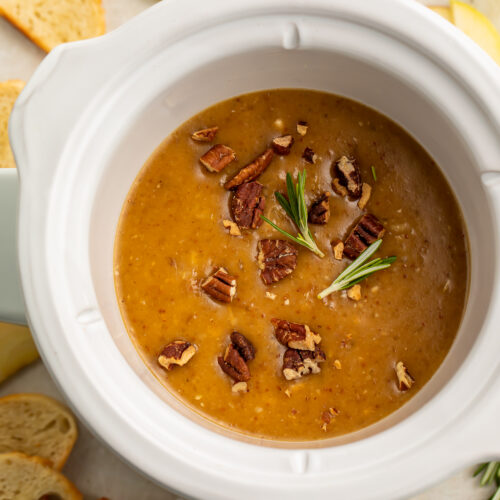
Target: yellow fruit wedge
[(490, 8), (17, 349), (476, 25), (443, 12)]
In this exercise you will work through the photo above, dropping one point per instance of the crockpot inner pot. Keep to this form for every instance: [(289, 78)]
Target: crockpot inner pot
[(147, 102)]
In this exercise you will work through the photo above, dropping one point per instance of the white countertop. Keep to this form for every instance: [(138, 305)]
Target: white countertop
[(95, 470)]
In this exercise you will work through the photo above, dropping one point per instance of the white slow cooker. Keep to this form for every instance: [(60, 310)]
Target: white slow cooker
[(91, 116)]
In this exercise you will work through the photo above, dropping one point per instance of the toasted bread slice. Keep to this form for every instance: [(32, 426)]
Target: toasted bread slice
[(52, 22), (37, 425), (9, 90), (17, 349), (31, 478)]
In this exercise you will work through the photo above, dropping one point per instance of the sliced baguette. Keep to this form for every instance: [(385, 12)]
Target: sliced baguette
[(31, 478), (37, 425), (9, 90), (52, 22)]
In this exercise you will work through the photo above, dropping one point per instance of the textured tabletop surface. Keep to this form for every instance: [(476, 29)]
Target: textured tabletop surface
[(96, 470)]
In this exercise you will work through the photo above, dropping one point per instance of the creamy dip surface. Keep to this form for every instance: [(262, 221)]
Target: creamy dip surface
[(171, 238)]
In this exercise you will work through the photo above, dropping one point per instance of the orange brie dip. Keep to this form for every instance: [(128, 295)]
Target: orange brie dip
[(224, 308)]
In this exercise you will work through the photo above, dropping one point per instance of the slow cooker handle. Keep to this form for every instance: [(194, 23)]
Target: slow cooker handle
[(11, 298)]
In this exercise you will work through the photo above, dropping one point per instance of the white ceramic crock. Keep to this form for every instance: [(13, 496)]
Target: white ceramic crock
[(88, 120)]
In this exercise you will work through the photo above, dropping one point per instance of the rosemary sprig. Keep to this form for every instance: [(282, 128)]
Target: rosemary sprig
[(358, 270), (374, 174), (296, 208), (491, 472)]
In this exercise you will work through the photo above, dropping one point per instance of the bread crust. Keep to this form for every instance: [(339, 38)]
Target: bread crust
[(42, 467), (72, 434), (44, 44), (9, 91)]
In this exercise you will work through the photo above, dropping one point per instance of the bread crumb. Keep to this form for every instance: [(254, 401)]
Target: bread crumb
[(354, 293), (324, 427), (270, 295), (286, 302), (288, 393), (337, 364), (234, 230)]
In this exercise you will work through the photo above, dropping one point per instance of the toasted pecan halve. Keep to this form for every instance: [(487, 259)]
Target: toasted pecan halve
[(295, 335), (251, 171), (217, 158), (220, 286), (276, 259), (236, 356), (205, 135), (247, 205), (368, 230)]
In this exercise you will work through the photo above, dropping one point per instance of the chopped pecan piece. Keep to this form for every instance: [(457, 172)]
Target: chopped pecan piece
[(405, 380), (234, 230), (240, 387), (309, 155), (233, 364), (220, 286), (364, 233), (366, 192), (252, 170), (298, 363), (354, 293), (243, 345), (338, 249), (329, 414), (205, 135), (295, 335), (217, 158), (302, 128), (349, 176), (276, 259), (338, 188), (178, 353), (247, 205), (319, 213), (282, 145)]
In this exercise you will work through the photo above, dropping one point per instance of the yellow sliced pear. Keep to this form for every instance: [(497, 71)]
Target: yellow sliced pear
[(17, 349), (490, 8), (442, 11), (476, 25)]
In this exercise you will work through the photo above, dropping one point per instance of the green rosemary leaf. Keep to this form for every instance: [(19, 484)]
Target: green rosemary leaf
[(292, 197), (489, 473), (285, 204), (296, 208), (374, 174), (480, 469), (496, 496), (360, 260), (359, 270), (282, 231)]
